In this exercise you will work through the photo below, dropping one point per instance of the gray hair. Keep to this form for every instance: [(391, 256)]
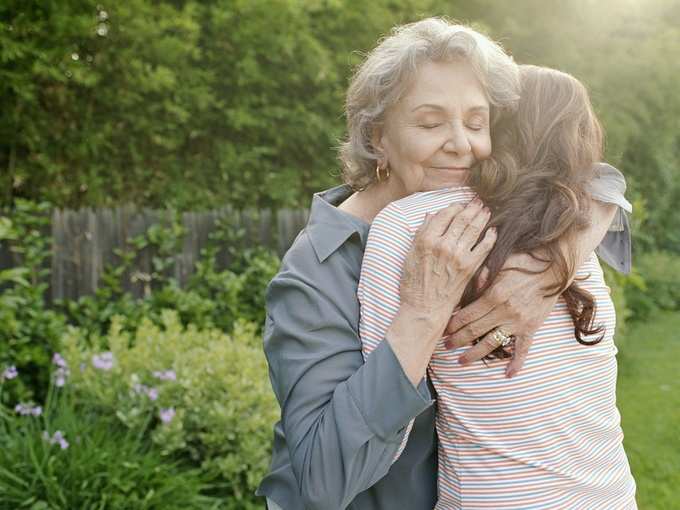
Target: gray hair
[(386, 72)]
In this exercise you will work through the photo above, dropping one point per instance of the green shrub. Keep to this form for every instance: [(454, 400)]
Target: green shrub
[(220, 395), (661, 289), (29, 330), (615, 282), (238, 292), (70, 456), (212, 298)]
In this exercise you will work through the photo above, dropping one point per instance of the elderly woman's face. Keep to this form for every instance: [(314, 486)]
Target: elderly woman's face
[(438, 129)]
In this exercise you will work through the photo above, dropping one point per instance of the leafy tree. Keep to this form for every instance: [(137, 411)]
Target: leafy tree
[(199, 103)]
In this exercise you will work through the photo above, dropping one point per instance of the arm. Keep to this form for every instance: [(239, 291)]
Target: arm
[(343, 419), (387, 246), (516, 301), (386, 254)]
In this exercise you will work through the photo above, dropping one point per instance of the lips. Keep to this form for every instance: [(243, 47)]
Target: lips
[(458, 168)]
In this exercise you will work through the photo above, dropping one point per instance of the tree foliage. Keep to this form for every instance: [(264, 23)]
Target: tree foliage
[(199, 103)]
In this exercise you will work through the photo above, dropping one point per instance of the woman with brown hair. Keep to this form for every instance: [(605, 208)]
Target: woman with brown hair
[(550, 437)]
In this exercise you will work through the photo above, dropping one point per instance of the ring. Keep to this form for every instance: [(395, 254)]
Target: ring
[(501, 338)]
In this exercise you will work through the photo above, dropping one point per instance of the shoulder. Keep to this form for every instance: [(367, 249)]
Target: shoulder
[(411, 210), (317, 288)]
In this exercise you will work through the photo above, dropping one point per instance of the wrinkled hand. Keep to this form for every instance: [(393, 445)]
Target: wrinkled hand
[(515, 302), (442, 261)]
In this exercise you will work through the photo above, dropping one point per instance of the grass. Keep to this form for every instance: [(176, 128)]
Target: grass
[(649, 401)]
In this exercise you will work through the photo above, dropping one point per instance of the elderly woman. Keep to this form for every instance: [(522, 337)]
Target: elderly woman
[(342, 420)]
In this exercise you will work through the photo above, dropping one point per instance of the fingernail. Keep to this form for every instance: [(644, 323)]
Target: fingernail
[(462, 360), (509, 373)]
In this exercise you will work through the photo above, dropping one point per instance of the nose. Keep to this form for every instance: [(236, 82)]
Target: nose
[(457, 141)]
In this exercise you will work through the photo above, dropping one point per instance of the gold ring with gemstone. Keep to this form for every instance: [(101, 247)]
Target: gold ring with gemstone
[(501, 338)]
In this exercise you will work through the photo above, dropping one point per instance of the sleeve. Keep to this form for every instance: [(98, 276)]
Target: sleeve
[(343, 418), (609, 186), (389, 241)]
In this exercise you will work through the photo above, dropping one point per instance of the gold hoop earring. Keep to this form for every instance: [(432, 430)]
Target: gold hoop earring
[(378, 176)]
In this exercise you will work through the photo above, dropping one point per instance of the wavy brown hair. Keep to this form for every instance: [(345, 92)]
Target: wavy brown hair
[(536, 182)]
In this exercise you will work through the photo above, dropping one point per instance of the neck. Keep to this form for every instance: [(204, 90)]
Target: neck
[(368, 203)]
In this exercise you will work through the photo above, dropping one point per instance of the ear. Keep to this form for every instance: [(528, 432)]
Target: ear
[(378, 143)]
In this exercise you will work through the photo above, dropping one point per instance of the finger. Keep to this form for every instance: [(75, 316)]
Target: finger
[(441, 220), (482, 278), (451, 343), (461, 221), (478, 255), (472, 312), (460, 238), (478, 351), (519, 356), (474, 330), (472, 231), (423, 241), (486, 243), (426, 222)]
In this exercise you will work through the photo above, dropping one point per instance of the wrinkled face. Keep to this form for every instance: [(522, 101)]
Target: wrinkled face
[(437, 130)]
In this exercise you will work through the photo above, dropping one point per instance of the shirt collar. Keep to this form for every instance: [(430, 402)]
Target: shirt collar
[(328, 227)]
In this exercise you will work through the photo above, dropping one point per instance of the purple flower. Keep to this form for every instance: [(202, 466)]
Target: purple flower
[(57, 438), (167, 415), (103, 361), (152, 393), (10, 373), (27, 409), (166, 375), (60, 376), (59, 361)]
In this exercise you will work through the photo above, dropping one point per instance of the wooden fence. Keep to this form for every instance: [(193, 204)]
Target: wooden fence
[(83, 243)]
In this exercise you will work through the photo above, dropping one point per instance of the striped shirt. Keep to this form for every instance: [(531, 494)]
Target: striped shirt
[(550, 437)]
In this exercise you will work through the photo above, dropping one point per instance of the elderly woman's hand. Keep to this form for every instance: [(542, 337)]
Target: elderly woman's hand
[(444, 257), (516, 302)]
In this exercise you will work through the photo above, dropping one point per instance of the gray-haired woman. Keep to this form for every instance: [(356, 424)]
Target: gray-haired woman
[(442, 87)]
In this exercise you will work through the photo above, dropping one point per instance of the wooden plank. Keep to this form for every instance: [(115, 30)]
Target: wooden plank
[(84, 241)]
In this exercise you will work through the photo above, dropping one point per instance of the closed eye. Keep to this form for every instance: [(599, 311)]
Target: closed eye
[(430, 126)]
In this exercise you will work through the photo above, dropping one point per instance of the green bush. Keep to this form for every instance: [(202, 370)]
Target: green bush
[(240, 101), (66, 455), (238, 292), (661, 290), (29, 330), (213, 297), (215, 385), (617, 283)]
